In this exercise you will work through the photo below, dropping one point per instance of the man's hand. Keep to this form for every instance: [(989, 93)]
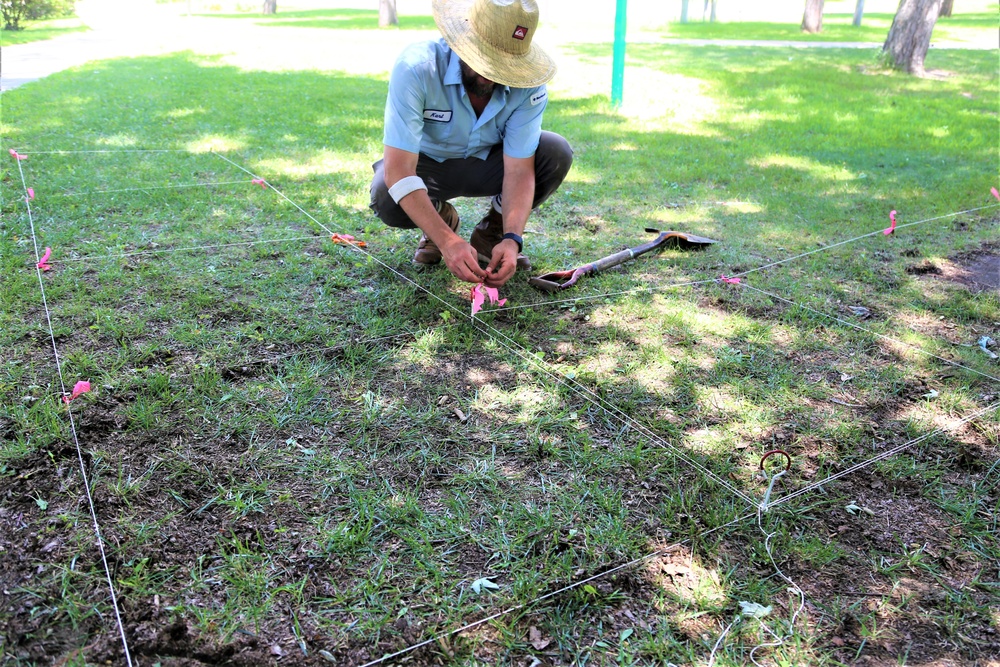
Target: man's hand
[(503, 264), (463, 260)]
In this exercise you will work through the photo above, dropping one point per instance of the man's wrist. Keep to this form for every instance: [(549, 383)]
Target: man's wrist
[(516, 238)]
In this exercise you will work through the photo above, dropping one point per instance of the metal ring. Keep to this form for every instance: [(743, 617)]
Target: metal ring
[(788, 458)]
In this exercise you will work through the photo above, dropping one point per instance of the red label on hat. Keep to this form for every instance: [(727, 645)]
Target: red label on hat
[(520, 33)]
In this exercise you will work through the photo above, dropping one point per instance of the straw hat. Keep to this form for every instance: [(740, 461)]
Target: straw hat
[(493, 37)]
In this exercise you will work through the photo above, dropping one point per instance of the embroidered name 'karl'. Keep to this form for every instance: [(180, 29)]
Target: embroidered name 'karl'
[(437, 116)]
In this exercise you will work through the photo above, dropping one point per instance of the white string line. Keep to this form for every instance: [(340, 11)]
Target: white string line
[(658, 288), (766, 505), (858, 238), (631, 292), (779, 641), (511, 345), (598, 401), (718, 642), (868, 331), (884, 455), (137, 253), (72, 425), (564, 589), (155, 187), (519, 350)]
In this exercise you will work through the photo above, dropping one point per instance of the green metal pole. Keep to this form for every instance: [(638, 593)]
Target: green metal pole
[(618, 64)]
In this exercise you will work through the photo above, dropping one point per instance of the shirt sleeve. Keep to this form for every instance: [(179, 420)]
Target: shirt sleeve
[(404, 108), (524, 127)]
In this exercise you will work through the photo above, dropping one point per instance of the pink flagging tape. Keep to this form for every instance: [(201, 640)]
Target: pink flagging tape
[(261, 182), (43, 263), (480, 292), (17, 156), (892, 227), (993, 191), (31, 194), (347, 239), (81, 387), (731, 281)]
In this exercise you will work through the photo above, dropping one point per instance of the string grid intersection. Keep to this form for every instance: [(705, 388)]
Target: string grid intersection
[(530, 359)]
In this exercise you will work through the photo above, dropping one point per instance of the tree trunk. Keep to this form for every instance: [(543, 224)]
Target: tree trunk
[(910, 35), (859, 11), (684, 11), (270, 7), (387, 13), (812, 18), (714, 5), (946, 7)]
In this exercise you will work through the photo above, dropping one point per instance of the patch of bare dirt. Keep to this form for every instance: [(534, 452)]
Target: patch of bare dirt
[(979, 270)]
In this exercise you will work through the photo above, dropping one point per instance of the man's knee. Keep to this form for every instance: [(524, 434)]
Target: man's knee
[(556, 151), (382, 203), (553, 160)]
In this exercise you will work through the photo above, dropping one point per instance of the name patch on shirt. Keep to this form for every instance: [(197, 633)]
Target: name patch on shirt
[(436, 116), (538, 98)]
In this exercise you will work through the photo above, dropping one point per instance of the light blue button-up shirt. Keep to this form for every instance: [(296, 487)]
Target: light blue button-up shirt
[(428, 110)]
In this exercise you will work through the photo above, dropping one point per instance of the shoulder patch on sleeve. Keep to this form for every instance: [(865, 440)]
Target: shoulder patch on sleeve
[(538, 98)]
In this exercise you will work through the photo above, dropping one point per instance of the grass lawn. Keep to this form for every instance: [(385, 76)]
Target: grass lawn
[(36, 31), (299, 452)]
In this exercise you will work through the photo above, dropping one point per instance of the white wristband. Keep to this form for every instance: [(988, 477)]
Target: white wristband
[(405, 186)]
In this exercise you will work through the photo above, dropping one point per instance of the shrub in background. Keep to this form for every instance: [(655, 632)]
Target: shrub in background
[(49, 9), (14, 11)]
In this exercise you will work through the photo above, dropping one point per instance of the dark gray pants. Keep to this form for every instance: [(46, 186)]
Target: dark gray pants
[(472, 177)]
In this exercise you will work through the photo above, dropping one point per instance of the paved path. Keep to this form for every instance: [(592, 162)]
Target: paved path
[(147, 29)]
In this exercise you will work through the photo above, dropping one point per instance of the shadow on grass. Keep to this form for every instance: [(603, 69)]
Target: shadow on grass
[(832, 32), (37, 31), (334, 19)]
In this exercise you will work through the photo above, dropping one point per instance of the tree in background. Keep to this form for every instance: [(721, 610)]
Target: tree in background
[(714, 4), (859, 10), (49, 9), (684, 10), (812, 18), (13, 11), (387, 13), (270, 7), (946, 7), (910, 35)]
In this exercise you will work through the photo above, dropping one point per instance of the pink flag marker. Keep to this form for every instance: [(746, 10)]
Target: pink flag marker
[(731, 281), (17, 156), (892, 227), (81, 387), (347, 239), (993, 191), (261, 182), (31, 194), (480, 292), (43, 263)]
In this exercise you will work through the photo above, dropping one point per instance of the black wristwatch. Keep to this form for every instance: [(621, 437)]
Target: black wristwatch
[(516, 239)]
